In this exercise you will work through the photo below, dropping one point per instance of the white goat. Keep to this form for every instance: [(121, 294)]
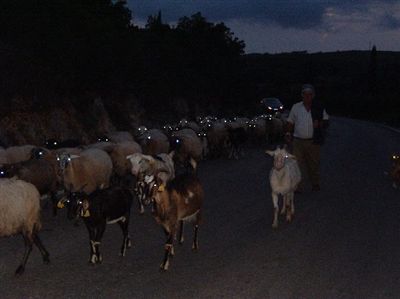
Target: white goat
[(284, 177)]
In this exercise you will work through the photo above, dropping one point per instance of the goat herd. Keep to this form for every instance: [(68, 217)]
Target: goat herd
[(98, 182)]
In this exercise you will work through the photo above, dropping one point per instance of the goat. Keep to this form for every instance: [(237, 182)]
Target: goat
[(106, 206), (284, 177), (144, 167), (175, 202)]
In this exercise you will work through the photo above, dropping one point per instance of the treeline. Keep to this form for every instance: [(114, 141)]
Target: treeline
[(71, 50)]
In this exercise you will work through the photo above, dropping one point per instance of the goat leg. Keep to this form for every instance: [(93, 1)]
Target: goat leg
[(126, 242), (168, 250), (99, 234), (284, 205), (181, 230), (276, 210)]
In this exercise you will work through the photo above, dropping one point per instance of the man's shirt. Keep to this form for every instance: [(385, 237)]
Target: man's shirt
[(302, 121)]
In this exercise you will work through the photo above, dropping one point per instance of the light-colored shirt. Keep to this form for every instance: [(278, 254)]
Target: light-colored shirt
[(302, 121)]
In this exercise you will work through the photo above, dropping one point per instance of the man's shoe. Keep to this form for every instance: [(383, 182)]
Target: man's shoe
[(315, 188)]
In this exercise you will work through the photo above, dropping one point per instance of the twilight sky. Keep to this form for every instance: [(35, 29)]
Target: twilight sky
[(276, 26)]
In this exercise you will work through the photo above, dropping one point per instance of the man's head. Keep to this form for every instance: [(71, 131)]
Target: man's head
[(307, 93)]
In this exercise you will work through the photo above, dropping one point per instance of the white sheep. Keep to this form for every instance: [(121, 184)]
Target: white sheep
[(89, 171), (284, 178), (20, 214)]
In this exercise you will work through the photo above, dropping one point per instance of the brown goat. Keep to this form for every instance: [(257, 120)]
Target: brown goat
[(178, 201)]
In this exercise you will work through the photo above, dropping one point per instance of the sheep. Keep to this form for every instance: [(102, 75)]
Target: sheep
[(90, 170), (102, 207), (184, 124), (237, 137), (138, 132), (103, 138), (20, 214), (119, 136), (102, 145), (257, 130), (175, 202), (284, 178), (154, 142), (143, 167), (39, 172), (217, 135), (15, 154), (274, 129), (118, 154), (187, 144)]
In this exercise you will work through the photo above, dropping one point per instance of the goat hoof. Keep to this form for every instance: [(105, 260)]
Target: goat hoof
[(164, 267), (274, 226), (92, 260)]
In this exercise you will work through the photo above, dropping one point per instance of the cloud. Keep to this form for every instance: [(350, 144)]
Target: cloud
[(390, 22)]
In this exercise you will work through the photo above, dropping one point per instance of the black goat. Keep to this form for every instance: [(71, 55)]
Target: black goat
[(102, 207)]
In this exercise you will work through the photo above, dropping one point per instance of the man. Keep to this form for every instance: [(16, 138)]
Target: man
[(306, 122)]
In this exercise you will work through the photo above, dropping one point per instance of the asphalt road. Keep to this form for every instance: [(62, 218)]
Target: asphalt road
[(343, 243)]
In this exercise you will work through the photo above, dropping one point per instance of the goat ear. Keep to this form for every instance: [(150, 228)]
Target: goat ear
[(61, 204), (171, 154), (74, 156), (291, 156), (129, 157), (163, 177), (271, 153)]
